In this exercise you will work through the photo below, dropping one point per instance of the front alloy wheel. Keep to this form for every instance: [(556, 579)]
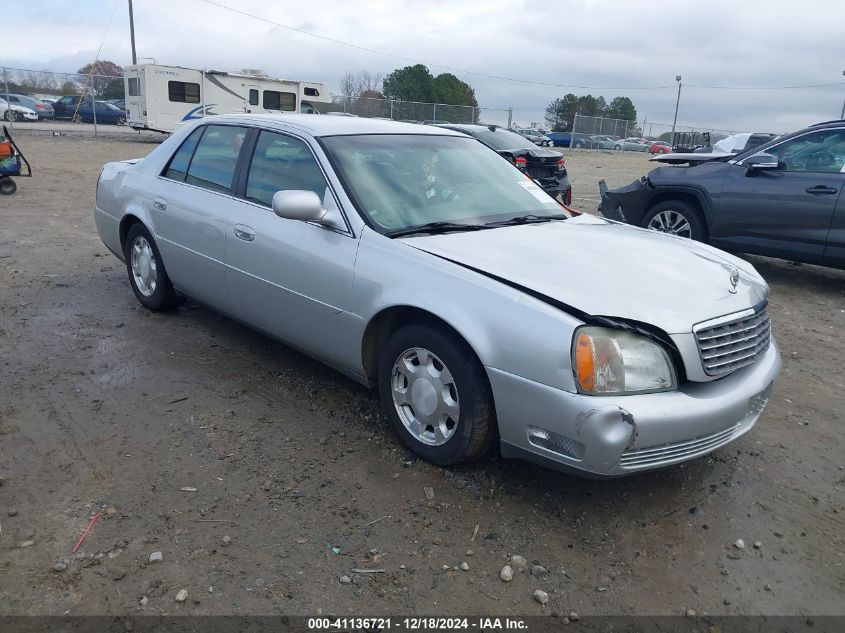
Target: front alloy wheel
[(670, 221), (425, 396), (676, 217), (436, 395)]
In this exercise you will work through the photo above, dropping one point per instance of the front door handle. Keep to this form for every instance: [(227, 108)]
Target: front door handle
[(821, 189), (244, 232), (160, 203)]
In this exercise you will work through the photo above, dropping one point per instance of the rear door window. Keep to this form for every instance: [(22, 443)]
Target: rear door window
[(213, 164)]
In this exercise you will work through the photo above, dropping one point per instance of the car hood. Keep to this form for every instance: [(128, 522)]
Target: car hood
[(608, 269)]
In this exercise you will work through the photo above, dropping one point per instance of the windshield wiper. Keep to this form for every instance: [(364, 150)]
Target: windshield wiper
[(528, 219), (436, 227)]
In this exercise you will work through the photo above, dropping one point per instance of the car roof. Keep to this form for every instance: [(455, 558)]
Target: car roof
[(320, 125)]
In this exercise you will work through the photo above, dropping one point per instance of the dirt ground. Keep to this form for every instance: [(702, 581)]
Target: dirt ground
[(262, 476)]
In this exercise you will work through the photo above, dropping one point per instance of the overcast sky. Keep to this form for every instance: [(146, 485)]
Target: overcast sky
[(612, 47)]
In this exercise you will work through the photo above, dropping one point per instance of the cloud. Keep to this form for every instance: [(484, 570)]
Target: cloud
[(616, 48)]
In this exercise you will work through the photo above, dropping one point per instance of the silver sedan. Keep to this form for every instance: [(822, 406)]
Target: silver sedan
[(417, 260)]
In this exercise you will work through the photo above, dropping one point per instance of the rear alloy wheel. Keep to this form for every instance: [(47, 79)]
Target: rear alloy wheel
[(676, 218), (617, 147), (10, 115), (147, 275), (119, 120), (435, 393)]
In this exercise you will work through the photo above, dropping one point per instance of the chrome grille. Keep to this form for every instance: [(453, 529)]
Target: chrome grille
[(729, 345), (655, 455)]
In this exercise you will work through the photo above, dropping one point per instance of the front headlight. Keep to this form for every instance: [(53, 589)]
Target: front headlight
[(612, 362)]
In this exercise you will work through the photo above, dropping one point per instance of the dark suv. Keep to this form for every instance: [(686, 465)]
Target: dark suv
[(545, 166), (782, 199)]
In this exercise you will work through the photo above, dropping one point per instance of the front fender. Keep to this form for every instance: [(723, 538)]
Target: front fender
[(506, 328)]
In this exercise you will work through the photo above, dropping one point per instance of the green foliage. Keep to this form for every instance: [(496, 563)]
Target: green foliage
[(416, 83), (411, 83), (560, 113), (622, 108), (69, 88)]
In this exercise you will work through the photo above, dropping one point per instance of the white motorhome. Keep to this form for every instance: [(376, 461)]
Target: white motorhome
[(160, 98)]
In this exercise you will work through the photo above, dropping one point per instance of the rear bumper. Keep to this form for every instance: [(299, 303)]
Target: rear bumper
[(557, 186), (616, 436)]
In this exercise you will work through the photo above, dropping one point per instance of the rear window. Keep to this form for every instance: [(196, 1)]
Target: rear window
[(133, 87), (501, 139), (274, 100), (183, 92)]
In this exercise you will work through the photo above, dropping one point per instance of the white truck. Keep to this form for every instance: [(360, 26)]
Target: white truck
[(160, 98)]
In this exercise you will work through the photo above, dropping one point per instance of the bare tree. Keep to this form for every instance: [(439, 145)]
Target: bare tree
[(349, 84), (353, 84)]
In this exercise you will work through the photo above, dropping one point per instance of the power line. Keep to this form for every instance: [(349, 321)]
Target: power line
[(416, 61), (838, 83), (491, 76)]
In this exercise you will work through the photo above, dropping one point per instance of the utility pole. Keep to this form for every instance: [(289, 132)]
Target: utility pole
[(132, 32), (11, 112), (677, 103)]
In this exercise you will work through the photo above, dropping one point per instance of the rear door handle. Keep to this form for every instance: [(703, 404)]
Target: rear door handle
[(821, 189), (160, 203), (244, 232)]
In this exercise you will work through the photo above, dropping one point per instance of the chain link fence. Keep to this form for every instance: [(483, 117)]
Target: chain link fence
[(417, 112), (590, 132)]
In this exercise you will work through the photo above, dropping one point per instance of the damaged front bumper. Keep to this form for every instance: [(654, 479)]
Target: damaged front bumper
[(615, 202), (620, 435)]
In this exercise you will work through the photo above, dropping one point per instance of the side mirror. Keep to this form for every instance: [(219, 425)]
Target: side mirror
[(761, 162), (294, 204)]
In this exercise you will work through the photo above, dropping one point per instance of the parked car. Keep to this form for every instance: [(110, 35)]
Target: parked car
[(118, 103), (65, 107), (602, 142), (659, 147), (567, 139), (781, 199), (106, 113), (535, 137), (414, 259), (736, 143), (545, 166), (41, 109), (15, 112), (631, 145)]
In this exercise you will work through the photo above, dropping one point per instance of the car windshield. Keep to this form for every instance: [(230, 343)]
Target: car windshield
[(501, 139), (407, 180)]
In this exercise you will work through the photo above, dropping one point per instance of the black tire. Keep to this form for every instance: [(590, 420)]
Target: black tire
[(579, 145), (617, 148), (692, 216), (163, 297), (475, 430), (7, 186), (119, 120), (10, 115)]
